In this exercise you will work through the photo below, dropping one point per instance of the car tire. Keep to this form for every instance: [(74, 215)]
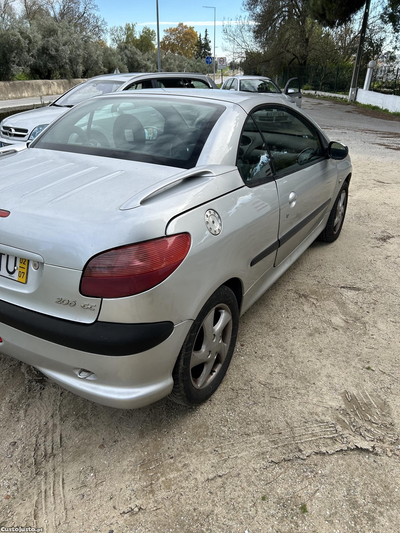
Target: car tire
[(336, 218), (207, 350)]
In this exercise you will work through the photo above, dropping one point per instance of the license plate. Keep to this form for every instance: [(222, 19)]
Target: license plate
[(15, 268)]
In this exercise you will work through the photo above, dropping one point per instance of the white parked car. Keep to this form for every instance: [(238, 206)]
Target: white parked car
[(138, 226), (26, 126), (261, 84)]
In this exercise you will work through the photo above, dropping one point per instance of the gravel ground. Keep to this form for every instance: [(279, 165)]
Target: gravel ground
[(303, 434)]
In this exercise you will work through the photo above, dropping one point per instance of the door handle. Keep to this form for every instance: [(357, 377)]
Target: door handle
[(292, 199)]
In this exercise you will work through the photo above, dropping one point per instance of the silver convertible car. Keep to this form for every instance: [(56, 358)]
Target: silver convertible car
[(137, 228)]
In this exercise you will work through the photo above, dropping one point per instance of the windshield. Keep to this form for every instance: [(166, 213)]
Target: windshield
[(86, 90), (168, 131), (258, 86)]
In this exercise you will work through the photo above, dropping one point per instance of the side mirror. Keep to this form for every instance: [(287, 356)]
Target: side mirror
[(292, 86), (337, 150)]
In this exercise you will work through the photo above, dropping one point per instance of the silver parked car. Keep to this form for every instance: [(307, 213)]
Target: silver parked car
[(25, 126), (261, 84), (137, 228)]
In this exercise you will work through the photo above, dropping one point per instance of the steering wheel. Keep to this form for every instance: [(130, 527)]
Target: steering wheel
[(79, 134), (98, 139)]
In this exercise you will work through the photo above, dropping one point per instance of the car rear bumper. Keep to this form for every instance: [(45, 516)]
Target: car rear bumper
[(126, 382), (102, 338)]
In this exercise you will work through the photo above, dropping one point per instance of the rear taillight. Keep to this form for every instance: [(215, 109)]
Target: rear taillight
[(134, 268)]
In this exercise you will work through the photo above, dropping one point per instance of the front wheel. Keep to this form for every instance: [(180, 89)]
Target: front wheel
[(207, 350), (336, 218)]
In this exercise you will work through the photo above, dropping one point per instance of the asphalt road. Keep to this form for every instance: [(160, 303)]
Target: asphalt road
[(303, 434)]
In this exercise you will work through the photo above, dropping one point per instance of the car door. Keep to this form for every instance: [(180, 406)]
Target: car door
[(292, 89), (254, 165), (305, 177)]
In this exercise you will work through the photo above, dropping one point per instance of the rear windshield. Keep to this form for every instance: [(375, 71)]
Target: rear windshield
[(169, 131)]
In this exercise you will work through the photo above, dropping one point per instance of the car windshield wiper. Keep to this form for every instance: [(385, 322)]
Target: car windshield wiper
[(65, 105)]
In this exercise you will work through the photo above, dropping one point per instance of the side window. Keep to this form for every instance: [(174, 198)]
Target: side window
[(227, 85), (292, 141), (144, 84), (253, 159), (170, 83), (197, 84), (234, 86)]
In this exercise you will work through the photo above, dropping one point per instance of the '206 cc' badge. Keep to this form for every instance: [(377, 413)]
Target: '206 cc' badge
[(213, 222)]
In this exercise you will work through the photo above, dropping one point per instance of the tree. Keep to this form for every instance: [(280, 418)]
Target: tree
[(146, 39), (33, 10), (240, 37), (59, 53), (126, 36), (80, 14), (284, 30), (181, 40), (123, 34), (203, 46), (199, 47), (206, 45), (391, 14), (15, 47), (334, 13), (7, 13)]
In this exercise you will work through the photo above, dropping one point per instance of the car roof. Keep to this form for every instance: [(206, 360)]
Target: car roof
[(132, 75), (245, 100), (243, 77)]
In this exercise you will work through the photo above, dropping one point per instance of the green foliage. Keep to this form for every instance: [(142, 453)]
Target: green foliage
[(124, 37), (60, 52), (177, 63), (391, 14), (284, 30), (22, 76), (146, 40), (15, 48), (203, 46), (335, 13)]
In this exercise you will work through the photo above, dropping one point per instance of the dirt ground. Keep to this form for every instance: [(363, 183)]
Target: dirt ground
[(303, 434)]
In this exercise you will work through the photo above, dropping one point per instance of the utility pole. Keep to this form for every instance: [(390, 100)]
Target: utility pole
[(158, 40), (356, 71)]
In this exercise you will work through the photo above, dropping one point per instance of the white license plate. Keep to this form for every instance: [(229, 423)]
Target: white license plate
[(15, 268)]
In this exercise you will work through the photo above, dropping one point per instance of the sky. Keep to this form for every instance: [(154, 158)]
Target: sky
[(171, 12)]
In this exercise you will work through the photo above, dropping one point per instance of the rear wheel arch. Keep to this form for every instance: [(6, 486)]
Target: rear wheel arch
[(207, 351), (237, 288)]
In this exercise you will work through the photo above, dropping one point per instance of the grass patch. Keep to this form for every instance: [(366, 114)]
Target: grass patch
[(366, 109), (377, 108), (303, 508)]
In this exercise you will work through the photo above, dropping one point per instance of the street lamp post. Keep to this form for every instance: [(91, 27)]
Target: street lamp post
[(215, 25), (158, 39)]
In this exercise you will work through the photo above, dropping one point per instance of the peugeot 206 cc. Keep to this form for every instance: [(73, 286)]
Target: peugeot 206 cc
[(137, 228)]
